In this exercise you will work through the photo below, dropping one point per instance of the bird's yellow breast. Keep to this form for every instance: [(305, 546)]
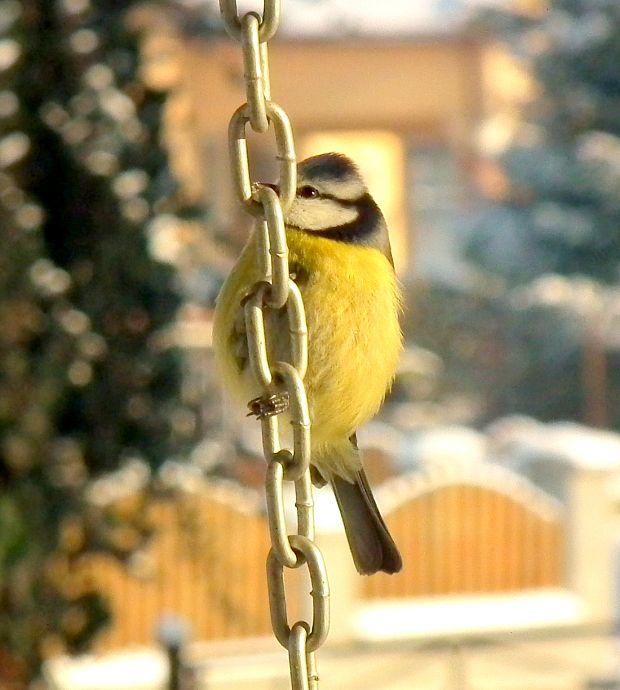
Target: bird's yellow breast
[(352, 304)]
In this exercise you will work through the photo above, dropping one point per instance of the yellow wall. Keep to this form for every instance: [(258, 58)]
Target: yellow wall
[(422, 84), (380, 156), (368, 98)]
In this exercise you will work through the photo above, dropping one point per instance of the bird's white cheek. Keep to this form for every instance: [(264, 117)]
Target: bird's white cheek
[(319, 214)]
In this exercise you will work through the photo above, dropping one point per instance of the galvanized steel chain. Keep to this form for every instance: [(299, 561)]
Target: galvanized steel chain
[(275, 290)]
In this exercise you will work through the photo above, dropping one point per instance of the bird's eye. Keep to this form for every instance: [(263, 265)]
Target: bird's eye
[(308, 192)]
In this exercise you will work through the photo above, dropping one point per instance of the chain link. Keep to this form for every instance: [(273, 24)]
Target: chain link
[(253, 72), (275, 254), (283, 379), (297, 657), (268, 24), (308, 552), (285, 148)]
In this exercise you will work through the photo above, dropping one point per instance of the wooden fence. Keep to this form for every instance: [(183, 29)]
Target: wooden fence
[(206, 565), (469, 528), (472, 528)]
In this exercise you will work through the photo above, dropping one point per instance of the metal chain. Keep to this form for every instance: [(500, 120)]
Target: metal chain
[(275, 290)]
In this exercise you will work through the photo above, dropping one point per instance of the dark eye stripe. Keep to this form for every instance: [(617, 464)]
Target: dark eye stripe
[(305, 193), (367, 229), (345, 202)]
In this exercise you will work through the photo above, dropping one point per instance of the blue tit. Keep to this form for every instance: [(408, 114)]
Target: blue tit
[(340, 258)]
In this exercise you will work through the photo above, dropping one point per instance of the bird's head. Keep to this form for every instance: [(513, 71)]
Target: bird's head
[(329, 191), (332, 201)]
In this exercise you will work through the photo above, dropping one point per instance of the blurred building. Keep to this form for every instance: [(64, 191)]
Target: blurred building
[(401, 91), (405, 111)]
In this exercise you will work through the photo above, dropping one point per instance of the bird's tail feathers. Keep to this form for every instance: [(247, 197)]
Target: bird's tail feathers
[(371, 543)]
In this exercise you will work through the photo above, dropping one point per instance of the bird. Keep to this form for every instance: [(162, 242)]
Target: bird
[(341, 260)]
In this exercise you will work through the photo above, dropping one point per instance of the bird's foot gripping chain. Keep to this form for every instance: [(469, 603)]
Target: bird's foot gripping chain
[(268, 405)]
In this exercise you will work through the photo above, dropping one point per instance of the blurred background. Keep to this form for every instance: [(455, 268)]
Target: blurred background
[(132, 520)]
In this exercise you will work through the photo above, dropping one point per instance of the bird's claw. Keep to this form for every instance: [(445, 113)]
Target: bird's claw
[(268, 405)]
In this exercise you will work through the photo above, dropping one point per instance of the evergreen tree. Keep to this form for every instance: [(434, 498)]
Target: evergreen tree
[(561, 211), (527, 335), (87, 384)]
